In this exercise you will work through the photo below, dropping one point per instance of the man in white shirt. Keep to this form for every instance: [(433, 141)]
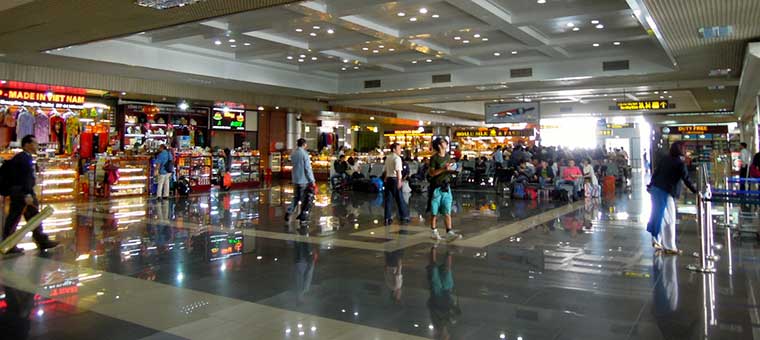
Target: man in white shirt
[(744, 157), (393, 183)]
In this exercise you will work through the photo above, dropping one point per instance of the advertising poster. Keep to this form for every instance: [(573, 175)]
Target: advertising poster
[(502, 113)]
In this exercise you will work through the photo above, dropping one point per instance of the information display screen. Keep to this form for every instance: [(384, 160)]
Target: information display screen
[(228, 119)]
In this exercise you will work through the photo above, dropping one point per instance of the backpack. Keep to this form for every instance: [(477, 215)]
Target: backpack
[(378, 184), (169, 166)]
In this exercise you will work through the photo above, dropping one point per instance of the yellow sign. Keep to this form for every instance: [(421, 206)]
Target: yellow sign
[(605, 132), (494, 133), (643, 105), (49, 97)]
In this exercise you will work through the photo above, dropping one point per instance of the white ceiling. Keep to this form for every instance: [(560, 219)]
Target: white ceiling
[(332, 47)]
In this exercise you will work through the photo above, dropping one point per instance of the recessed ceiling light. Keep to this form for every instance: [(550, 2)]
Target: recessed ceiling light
[(218, 42), (231, 40), (316, 27), (436, 16), (375, 51), (391, 49), (576, 29), (514, 52), (401, 14), (428, 60), (570, 24), (290, 57), (414, 61), (342, 68), (594, 22), (302, 56), (496, 54), (484, 39), (313, 34), (423, 10), (457, 38), (656, 92), (365, 48), (600, 26), (665, 92), (596, 45), (413, 19), (476, 36), (465, 41), (662, 97), (381, 46), (313, 58), (330, 31), (123, 93), (247, 44), (617, 43), (345, 60), (670, 96), (299, 30), (541, 1), (300, 60), (233, 45), (371, 118), (356, 67)]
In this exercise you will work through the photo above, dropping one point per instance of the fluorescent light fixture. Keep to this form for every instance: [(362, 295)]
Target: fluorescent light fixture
[(423, 10)]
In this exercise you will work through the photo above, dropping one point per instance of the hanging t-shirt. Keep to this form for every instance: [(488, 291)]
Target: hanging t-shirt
[(72, 133), (24, 124), (42, 128)]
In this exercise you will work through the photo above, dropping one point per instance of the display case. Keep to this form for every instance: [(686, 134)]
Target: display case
[(321, 166), (132, 179), (57, 178), (276, 160), (197, 168), (161, 123), (244, 169)]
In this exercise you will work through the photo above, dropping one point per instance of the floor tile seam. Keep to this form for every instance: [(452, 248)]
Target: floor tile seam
[(204, 295), (487, 238)]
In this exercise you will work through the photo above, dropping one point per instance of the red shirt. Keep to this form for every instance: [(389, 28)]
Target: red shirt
[(571, 173)]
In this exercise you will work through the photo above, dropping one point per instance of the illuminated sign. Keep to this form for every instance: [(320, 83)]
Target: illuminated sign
[(228, 119), (604, 132), (620, 126), (37, 98), (643, 105), (417, 132), (493, 132), (698, 129)]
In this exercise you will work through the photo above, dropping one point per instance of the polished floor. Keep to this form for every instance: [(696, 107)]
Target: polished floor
[(227, 266)]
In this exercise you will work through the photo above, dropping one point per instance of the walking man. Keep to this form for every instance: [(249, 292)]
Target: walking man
[(442, 200), (21, 180), (744, 156), (393, 183), (303, 183)]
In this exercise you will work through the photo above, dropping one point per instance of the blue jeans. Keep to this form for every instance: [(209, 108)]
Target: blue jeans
[(393, 193)]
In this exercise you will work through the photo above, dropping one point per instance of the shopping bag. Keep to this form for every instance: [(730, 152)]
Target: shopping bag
[(34, 222), (227, 180)]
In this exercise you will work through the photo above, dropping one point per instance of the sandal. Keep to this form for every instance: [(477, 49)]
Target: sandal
[(673, 252)]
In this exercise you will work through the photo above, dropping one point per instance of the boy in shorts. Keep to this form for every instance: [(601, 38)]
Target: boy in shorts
[(440, 177)]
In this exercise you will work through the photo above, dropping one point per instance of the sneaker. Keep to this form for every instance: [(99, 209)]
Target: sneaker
[(435, 235), (452, 236), (15, 251), (47, 244)]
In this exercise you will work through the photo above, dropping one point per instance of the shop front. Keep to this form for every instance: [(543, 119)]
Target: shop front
[(706, 144), (70, 124), (475, 143), (417, 142)]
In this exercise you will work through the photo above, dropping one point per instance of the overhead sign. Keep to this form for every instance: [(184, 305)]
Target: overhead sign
[(604, 132), (500, 113), (620, 126), (415, 133), (228, 119), (643, 105), (494, 132), (698, 129)]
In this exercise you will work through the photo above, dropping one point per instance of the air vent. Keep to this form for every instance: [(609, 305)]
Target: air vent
[(617, 65), (372, 84), (441, 78), (521, 72)]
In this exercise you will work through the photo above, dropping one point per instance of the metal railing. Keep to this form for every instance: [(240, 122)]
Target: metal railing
[(706, 254)]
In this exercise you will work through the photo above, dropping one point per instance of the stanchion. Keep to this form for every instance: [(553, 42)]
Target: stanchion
[(704, 225)]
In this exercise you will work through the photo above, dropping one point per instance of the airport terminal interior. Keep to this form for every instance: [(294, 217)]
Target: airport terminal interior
[(379, 169)]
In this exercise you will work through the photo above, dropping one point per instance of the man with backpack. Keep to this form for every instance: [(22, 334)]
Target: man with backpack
[(165, 165), (18, 180)]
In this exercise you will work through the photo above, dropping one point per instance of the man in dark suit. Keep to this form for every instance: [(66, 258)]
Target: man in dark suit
[(21, 172)]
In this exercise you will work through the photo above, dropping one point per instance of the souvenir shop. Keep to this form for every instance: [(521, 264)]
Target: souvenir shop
[(69, 125), (417, 141), (475, 143), (706, 144)]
